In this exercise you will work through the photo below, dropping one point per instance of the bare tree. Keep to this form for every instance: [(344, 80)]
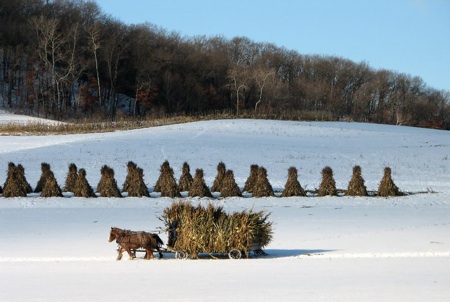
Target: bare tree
[(44, 55), (142, 45), (238, 76), (57, 51), (48, 42), (113, 51), (261, 76), (93, 32)]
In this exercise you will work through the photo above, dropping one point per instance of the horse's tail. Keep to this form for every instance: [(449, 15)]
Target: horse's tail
[(160, 242)]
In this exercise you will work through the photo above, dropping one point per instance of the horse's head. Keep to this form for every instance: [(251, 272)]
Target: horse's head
[(114, 234)]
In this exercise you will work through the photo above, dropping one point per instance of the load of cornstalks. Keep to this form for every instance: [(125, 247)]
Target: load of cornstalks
[(200, 229)]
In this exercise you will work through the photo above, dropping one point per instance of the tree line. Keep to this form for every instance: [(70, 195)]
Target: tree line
[(67, 59)]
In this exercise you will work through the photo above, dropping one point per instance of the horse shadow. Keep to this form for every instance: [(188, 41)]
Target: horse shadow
[(284, 253)]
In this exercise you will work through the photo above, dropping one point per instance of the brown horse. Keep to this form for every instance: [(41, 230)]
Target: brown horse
[(129, 241)]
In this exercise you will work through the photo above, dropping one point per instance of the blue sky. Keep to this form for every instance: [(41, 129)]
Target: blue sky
[(405, 36)]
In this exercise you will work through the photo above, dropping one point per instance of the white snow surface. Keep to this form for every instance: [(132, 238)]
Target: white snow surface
[(323, 248)]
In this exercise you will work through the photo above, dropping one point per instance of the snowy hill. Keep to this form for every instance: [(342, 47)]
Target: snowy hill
[(324, 248)]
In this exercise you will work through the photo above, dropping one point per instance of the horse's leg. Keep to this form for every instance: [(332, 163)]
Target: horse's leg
[(149, 253), (159, 252), (119, 253), (130, 254)]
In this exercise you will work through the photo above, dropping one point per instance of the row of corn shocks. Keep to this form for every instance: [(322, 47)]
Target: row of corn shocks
[(257, 183)]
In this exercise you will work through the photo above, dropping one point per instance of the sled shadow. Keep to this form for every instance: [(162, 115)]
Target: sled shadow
[(273, 253)]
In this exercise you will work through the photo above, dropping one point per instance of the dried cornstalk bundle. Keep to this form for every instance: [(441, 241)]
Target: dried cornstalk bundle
[(185, 182), (82, 186), (45, 167), (71, 178), (229, 187), (356, 185), (51, 187), (199, 188), (131, 166), (217, 184), (22, 179), (211, 230), (107, 186), (101, 183), (169, 187), (251, 180), (11, 170), (292, 186), (387, 186), (328, 184), (13, 186), (137, 187), (262, 187), (163, 171)]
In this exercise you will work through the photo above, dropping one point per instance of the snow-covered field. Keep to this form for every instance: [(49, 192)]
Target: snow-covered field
[(324, 248)]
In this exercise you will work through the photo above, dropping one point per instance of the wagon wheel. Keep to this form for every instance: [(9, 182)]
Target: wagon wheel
[(181, 255), (235, 254)]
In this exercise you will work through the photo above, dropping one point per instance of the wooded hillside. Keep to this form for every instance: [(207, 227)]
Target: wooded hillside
[(67, 59)]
